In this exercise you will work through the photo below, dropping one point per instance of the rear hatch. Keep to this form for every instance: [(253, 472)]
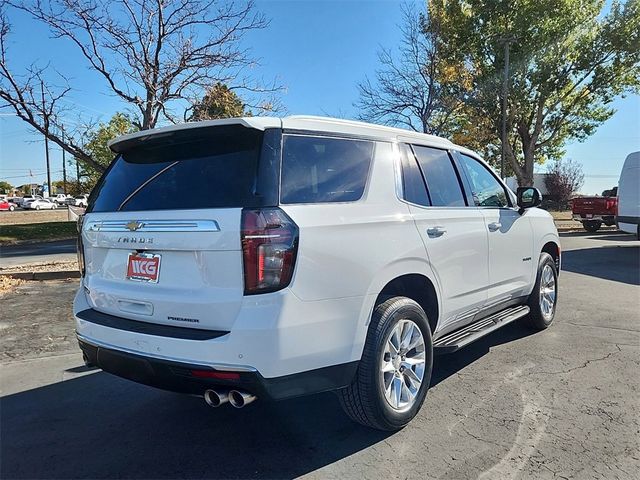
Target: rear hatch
[(161, 237)]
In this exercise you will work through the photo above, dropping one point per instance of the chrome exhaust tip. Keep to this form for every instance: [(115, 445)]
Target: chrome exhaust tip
[(240, 399), (215, 398)]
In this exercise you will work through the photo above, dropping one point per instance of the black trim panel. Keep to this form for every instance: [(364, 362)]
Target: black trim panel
[(347, 136), (177, 377), (184, 333), (626, 219)]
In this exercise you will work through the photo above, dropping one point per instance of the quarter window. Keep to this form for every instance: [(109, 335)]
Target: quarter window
[(442, 180), (324, 169), (485, 187)]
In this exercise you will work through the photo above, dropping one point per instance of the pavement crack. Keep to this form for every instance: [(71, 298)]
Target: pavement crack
[(580, 367), (575, 324)]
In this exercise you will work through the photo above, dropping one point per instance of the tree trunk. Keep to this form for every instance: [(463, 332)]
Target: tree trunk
[(527, 172), (518, 169)]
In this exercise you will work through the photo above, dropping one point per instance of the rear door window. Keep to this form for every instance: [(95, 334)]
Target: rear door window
[(443, 184), (413, 186), (324, 169), (218, 167)]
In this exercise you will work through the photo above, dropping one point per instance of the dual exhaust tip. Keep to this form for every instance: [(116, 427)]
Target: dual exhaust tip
[(237, 398)]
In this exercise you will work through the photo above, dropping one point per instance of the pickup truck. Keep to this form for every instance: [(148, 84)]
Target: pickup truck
[(60, 198), (593, 211), (22, 201), (78, 201)]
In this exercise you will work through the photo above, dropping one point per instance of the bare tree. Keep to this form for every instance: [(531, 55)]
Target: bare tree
[(150, 54), (563, 179), (408, 89), (38, 102)]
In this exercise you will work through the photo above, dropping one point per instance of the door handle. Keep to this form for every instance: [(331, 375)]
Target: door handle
[(494, 226), (435, 232)]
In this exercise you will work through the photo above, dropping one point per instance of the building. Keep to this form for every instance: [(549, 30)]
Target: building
[(538, 182)]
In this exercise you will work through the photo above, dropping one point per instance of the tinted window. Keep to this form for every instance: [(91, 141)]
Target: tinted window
[(323, 169), (413, 185), (214, 167), (485, 188), (442, 180)]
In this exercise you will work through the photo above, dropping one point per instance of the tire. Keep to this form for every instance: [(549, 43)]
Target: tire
[(538, 318), (365, 400), (53, 207), (592, 225), (12, 208), (37, 207)]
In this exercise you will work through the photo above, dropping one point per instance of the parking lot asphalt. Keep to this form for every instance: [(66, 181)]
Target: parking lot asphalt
[(562, 403), (56, 251)]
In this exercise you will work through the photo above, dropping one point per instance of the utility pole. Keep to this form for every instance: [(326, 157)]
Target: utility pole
[(78, 175), (505, 92), (45, 118), (64, 168)]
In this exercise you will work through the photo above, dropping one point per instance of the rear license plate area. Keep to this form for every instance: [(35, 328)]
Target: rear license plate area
[(143, 267)]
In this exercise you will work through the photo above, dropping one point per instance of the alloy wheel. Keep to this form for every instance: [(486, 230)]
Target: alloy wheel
[(402, 365), (547, 292)]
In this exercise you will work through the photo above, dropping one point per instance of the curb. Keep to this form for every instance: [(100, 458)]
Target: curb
[(580, 229), (59, 275)]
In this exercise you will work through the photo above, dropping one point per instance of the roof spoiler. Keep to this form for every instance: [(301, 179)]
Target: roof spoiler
[(124, 142)]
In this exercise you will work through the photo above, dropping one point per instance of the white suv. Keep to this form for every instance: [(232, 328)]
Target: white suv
[(305, 255)]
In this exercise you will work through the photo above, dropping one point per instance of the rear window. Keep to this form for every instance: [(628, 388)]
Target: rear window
[(216, 167), (324, 169)]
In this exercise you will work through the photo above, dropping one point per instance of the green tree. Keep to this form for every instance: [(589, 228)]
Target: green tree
[(5, 187), (96, 145), (568, 63), (218, 102)]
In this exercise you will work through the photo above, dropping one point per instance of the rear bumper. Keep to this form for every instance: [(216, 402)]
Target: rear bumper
[(581, 217), (178, 376), (282, 347)]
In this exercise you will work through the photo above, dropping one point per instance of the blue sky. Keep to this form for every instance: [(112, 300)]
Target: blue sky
[(318, 49)]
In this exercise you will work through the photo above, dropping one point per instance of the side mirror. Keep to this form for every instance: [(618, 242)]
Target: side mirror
[(528, 197)]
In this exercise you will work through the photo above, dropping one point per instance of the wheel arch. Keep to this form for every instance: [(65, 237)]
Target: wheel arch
[(553, 249), (417, 287)]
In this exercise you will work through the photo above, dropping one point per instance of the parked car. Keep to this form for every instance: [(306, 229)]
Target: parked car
[(60, 198), (593, 211), (20, 201), (306, 255), (5, 205), (628, 218), (39, 204), (78, 201)]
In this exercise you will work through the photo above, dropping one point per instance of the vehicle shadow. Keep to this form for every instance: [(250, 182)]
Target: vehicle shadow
[(605, 232), (445, 366), (100, 426), (615, 237), (617, 263)]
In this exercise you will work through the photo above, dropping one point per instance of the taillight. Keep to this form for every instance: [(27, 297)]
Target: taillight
[(80, 246), (269, 247)]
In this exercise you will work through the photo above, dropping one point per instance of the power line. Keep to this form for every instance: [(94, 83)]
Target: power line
[(31, 175)]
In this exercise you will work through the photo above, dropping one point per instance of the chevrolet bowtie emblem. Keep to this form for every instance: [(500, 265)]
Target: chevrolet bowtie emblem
[(134, 225)]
